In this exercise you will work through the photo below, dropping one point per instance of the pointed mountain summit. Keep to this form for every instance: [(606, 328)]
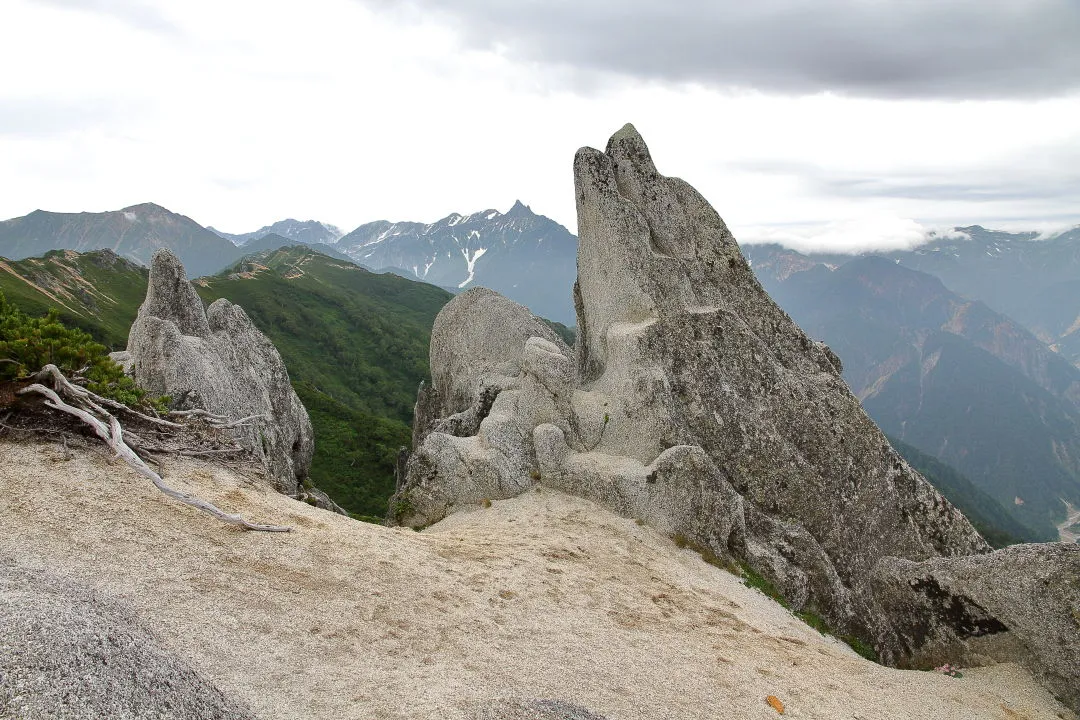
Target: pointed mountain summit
[(525, 256), (519, 209)]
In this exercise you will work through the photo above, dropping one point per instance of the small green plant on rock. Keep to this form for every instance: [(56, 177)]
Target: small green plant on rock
[(724, 563), (753, 579), (401, 508)]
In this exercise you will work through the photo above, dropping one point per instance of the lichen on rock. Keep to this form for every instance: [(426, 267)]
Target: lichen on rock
[(69, 651)]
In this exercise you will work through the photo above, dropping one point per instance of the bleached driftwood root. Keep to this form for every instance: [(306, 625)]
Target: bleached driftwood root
[(107, 427), (62, 384)]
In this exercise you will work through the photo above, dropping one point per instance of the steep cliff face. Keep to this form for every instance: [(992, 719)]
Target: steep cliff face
[(697, 353), (695, 404), (217, 360)]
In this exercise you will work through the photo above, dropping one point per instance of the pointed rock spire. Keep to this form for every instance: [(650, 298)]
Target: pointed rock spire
[(699, 406), (217, 360)]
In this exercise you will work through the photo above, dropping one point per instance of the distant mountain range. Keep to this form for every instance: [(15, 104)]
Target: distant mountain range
[(527, 257), (951, 346), (946, 374), (273, 241), (309, 232), (355, 344), (1033, 280), (134, 233)]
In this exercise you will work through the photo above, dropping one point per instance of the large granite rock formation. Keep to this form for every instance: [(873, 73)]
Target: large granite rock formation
[(217, 360), (691, 401), (497, 373)]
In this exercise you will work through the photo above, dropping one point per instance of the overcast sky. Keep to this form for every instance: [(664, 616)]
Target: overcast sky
[(821, 123)]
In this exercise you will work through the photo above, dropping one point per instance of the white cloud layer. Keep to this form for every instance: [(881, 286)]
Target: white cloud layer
[(238, 114), (880, 232)]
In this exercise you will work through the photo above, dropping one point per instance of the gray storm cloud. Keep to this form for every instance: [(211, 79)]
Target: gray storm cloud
[(1049, 173), (950, 49)]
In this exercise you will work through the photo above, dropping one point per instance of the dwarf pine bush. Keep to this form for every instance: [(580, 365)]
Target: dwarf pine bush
[(29, 343)]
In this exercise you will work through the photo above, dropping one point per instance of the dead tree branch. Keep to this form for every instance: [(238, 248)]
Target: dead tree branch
[(62, 384), (108, 428)]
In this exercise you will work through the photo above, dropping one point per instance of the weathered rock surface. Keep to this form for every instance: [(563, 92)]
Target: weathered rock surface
[(67, 653), (1021, 603), (536, 710), (219, 361), (317, 498), (497, 372), (691, 401)]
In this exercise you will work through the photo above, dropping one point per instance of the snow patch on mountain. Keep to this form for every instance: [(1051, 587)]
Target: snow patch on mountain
[(471, 263), (530, 257)]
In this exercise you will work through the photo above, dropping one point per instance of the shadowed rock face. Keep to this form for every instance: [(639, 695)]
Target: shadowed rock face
[(694, 403), (1021, 603), (219, 361)]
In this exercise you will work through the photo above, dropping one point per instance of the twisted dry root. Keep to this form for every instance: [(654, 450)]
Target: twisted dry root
[(107, 427)]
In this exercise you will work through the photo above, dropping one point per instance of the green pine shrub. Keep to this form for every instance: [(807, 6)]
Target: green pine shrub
[(28, 343)]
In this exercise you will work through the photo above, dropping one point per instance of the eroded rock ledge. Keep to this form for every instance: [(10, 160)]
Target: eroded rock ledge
[(693, 402)]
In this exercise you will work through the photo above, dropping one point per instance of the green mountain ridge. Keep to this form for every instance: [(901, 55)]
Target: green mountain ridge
[(97, 291), (355, 342)]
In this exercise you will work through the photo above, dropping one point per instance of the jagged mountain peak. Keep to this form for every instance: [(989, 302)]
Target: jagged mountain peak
[(527, 256), (520, 209)]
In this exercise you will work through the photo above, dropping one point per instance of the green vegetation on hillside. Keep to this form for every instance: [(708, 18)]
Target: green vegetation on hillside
[(357, 337), (355, 452), (98, 291), (356, 347), (355, 344), (987, 515), (28, 344), (568, 334)]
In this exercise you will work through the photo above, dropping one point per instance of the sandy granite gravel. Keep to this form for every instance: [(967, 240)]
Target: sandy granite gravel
[(545, 597)]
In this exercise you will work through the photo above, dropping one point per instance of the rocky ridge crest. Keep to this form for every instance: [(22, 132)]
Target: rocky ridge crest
[(693, 402)]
